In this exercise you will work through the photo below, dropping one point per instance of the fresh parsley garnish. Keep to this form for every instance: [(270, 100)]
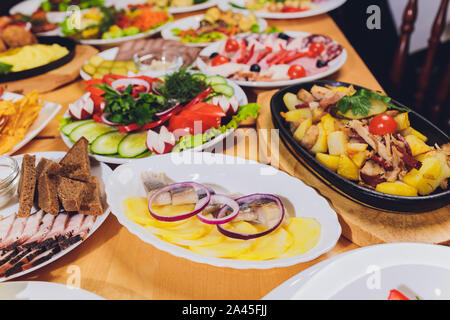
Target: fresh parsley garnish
[(359, 103), (124, 109)]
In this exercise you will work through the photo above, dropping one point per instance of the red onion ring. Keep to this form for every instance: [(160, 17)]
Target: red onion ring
[(249, 199), (200, 205), (228, 203), (105, 120), (125, 82), (165, 112)]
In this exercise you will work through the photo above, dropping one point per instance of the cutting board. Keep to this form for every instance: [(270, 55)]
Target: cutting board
[(362, 225), (56, 78)]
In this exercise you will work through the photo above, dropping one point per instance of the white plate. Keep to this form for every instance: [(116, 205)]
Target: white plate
[(108, 54), (100, 170), (195, 7), (321, 8), (369, 273), (46, 114), (194, 23), (117, 41), (287, 289), (39, 290), (334, 66), (227, 175), (240, 95)]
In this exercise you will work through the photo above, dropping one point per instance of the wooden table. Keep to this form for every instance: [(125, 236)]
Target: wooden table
[(117, 265)]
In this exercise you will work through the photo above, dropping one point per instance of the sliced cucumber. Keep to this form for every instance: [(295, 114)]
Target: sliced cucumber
[(199, 76), (133, 145), (108, 143), (68, 128), (377, 107), (90, 131), (213, 80), (224, 89)]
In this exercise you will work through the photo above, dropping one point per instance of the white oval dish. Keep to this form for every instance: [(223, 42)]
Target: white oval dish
[(46, 114), (100, 170), (321, 8), (334, 66), (40, 290), (228, 175), (415, 269), (240, 94), (195, 7), (194, 23)]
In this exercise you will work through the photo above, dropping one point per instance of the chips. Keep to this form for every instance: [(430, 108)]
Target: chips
[(16, 117)]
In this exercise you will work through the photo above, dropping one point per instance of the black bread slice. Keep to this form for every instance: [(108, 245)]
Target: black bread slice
[(75, 164), (91, 203), (27, 185), (47, 194), (70, 193)]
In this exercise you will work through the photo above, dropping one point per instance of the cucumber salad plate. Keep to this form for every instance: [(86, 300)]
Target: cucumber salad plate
[(126, 118)]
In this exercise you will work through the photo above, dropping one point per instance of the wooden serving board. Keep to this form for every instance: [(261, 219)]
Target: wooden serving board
[(56, 78), (362, 225)]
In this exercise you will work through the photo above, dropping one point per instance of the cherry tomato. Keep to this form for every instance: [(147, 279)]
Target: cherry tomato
[(382, 124), (397, 295), (290, 9), (315, 48), (296, 71), (219, 60), (231, 45)]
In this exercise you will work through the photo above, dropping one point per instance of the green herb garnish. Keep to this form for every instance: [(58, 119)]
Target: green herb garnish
[(5, 68), (182, 86), (359, 103), (124, 109)]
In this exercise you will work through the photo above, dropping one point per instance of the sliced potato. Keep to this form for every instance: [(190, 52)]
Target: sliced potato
[(356, 147), (413, 131), (402, 120), (331, 162), (329, 123), (321, 143), (347, 168), (301, 130), (291, 101), (397, 188), (428, 177), (297, 114), (337, 143), (417, 146), (359, 158)]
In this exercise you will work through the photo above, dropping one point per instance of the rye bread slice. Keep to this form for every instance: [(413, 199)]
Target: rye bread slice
[(27, 185), (47, 194), (91, 203), (46, 166), (76, 164), (70, 193)]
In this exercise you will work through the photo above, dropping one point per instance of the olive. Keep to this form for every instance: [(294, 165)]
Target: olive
[(255, 68), (283, 36), (213, 55), (321, 63)]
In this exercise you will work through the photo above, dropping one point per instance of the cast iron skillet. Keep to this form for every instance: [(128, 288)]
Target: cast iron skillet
[(65, 42), (348, 188)]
